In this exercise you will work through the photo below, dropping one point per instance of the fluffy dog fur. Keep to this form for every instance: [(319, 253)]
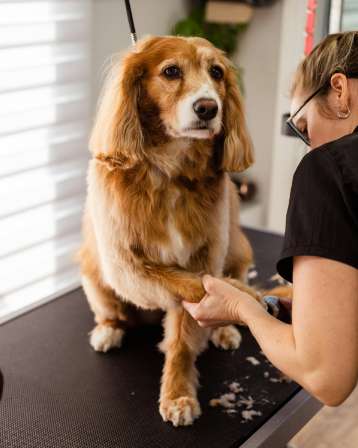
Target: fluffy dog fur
[(161, 209)]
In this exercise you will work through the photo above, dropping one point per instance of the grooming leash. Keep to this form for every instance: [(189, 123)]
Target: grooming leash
[(133, 33)]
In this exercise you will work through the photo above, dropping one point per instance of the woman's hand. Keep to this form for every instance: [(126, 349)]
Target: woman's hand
[(223, 304)]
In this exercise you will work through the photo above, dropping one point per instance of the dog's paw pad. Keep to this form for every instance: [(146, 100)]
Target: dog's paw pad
[(181, 412), (228, 338), (105, 337)]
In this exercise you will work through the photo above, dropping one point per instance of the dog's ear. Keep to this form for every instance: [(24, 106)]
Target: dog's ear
[(117, 130), (127, 130), (238, 153)]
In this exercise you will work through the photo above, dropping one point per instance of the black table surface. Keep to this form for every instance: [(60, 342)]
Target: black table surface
[(59, 393)]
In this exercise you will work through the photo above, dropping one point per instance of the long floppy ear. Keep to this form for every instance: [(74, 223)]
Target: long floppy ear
[(238, 152), (117, 131)]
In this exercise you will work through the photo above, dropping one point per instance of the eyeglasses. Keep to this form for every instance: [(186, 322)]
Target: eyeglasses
[(292, 125), (304, 137)]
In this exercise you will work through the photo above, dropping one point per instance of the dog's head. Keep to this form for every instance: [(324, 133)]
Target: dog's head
[(170, 88)]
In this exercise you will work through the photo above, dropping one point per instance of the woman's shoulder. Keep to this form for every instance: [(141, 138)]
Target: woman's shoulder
[(337, 159), (322, 214), (340, 157)]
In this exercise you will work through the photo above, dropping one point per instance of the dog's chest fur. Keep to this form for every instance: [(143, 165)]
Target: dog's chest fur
[(176, 248), (176, 226)]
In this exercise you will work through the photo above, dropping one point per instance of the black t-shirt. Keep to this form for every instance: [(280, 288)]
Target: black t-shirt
[(322, 215)]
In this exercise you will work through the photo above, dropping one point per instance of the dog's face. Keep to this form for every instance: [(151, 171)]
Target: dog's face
[(173, 87), (186, 80)]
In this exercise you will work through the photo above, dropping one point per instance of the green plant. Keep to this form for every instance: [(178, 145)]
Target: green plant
[(223, 36)]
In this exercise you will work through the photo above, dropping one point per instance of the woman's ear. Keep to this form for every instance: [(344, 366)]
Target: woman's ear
[(238, 152), (117, 130), (339, 85)]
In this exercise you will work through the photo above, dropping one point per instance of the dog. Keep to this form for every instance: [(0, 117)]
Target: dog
[(161, 209)]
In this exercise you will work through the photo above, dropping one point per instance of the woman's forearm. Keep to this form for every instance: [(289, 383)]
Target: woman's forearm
[(320, 349), (277, 342)]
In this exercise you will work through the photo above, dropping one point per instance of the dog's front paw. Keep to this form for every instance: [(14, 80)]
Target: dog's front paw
[(228, 338), (181, 412), (105, 337)]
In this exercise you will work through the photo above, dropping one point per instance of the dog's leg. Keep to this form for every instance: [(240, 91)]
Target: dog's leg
[(185, 285), (284, 291), (109, 315), (182, 342), (237, 263), (240, 253), (239, 257)]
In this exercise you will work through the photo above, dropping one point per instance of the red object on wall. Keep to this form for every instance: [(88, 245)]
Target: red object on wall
[(310, 24)]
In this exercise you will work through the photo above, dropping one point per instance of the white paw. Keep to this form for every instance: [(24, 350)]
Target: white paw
[(228, 338), (104, 337), (181, 412)]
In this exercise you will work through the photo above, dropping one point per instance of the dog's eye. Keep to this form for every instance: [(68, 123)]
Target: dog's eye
[(216, 72), (172, 72)]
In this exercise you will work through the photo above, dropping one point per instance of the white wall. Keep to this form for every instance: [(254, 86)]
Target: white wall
[(288, 151), (270, 51), (258, 53)]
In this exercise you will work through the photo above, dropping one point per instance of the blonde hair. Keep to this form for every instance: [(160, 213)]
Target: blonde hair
[(337, 53)]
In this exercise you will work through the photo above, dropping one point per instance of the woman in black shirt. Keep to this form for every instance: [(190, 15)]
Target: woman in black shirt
[(319, 349)]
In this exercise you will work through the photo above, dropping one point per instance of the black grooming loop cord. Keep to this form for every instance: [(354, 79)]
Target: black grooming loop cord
[(131, 22)]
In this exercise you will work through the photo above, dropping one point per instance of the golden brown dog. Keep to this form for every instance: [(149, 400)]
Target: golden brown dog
[(161, 209)]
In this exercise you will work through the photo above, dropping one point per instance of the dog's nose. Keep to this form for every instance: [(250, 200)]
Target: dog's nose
[(205, 108)]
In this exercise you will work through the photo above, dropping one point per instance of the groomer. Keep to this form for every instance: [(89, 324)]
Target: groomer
[(319, 350)]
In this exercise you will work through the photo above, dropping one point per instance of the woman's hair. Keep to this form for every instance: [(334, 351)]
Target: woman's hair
[(337, 53)]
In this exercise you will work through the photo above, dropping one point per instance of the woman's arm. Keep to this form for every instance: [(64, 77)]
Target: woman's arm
[(325, 326), (320, 349)]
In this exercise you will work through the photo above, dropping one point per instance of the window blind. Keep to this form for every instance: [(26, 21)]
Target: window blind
[(44, 123), (350, 15)]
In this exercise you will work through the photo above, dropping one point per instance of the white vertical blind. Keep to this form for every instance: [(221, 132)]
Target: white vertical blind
[(44, 119), (350, 15)]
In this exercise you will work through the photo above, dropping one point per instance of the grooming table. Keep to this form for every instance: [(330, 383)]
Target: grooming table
[(59, 393)]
